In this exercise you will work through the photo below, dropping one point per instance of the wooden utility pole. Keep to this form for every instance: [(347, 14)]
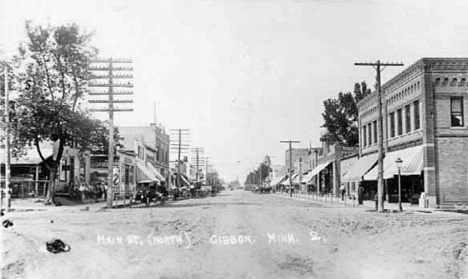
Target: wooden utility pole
[(380, 181), (197, 151), (290, 163), (7, 68), (110, 68), (180, 146)]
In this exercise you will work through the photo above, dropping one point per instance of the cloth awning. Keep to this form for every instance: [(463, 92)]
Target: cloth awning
[(298, 179), (277, 180), (286, 182), (360, 168), (144, 175), (155, 172), (30, 158), (319, 168), (412, 163)]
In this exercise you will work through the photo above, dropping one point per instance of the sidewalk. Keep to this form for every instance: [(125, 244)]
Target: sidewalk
[(37, 204), (368, 205)]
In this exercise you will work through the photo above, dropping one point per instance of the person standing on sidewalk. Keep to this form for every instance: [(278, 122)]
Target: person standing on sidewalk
[(343, 191), (360, 194)]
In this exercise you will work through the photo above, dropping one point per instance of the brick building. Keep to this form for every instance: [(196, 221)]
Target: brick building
[(423, 122)]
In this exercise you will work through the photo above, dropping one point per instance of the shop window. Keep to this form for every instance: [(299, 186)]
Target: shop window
[(63, 170), (408, 119), (416, 115), (456, 110), (392, 124), (400, 122)]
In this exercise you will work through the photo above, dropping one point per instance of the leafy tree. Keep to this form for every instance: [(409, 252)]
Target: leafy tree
[(341, 116), (54, 65)]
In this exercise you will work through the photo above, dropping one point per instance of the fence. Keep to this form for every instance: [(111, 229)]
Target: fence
[(28, 188), (348, 201)]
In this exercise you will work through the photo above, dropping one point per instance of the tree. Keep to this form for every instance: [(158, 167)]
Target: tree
[(341, 116), (54, 65)]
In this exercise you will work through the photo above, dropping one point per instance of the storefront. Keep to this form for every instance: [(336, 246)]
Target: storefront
[(411, 173)]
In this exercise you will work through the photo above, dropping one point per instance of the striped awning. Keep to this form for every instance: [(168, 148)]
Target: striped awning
[(360, 168), (144, 175), (412, 163), (155, 172)]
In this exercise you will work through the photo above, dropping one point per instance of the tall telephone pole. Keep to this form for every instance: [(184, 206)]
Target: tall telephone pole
[(180, 146), (197, 151), (380, 182), (6, 69), (290, 162), (108, 67)]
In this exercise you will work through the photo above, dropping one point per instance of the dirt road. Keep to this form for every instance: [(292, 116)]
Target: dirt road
[(236, 235)]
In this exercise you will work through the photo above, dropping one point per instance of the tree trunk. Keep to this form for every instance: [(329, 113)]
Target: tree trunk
[(51, 190)]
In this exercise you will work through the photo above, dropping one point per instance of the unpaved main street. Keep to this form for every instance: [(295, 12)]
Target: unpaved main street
[(236, 235)]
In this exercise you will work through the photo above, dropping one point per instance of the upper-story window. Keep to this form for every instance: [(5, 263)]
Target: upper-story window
[(454, 82), (408, 119), (392, 124), (456, 111), (364, 135), (375, 131), (369, 133), (400, 122), (416, 115)]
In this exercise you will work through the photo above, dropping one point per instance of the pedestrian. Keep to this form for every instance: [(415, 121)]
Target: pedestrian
[(343, 191), (360, 194)]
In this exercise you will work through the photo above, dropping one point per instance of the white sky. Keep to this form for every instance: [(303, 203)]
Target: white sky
[(243, 75)]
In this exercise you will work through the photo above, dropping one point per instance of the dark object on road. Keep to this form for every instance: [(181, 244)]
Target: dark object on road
[(56, 246), (7, 223)]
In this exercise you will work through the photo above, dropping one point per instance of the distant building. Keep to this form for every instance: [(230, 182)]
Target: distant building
[(300, 159), (154, 138)]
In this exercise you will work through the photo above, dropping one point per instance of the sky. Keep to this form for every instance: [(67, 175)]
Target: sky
[(244, 75)]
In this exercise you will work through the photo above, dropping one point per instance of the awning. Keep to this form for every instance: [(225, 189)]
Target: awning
[(286, 182), (307, 178), (155, 172), (144, 175), (31, 158), (298, 179), (360, 168), (277, 180), (319, 168), (412, 163)]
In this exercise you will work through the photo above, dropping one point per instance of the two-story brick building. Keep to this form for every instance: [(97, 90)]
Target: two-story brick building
[(424, 125)]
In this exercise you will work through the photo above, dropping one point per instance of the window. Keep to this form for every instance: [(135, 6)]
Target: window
[(364, 134), (400, 122), (375, 131), (392, 124), (456, 110), (416, 115), (445, 82), (462, 82), (454, 82), (369, 133), (408, 119)]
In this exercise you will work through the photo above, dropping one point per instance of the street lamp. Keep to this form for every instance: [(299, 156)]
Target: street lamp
[(399, 162)]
